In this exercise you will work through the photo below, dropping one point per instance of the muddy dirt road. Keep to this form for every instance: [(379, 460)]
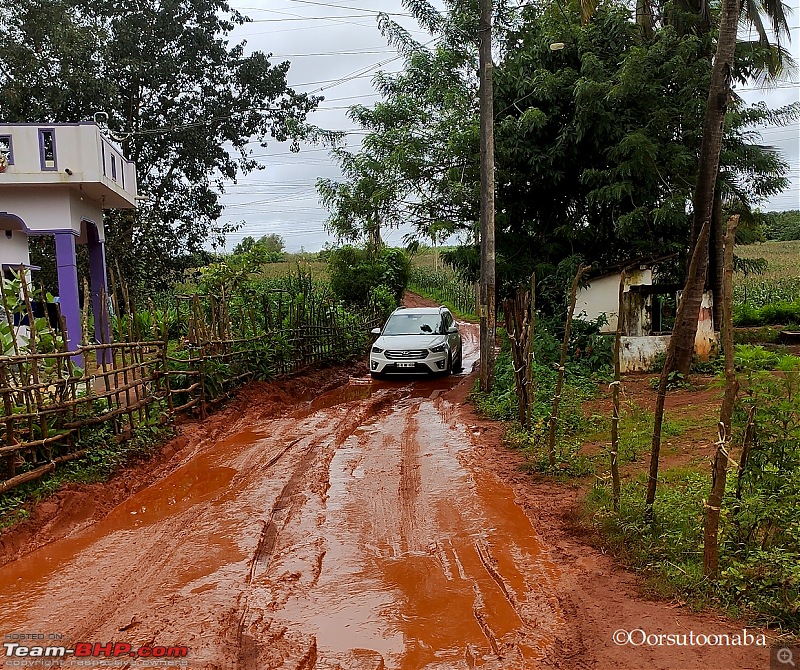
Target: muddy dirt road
[(364, 528)]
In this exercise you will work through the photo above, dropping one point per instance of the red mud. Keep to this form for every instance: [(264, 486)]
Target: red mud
[(367, 525)]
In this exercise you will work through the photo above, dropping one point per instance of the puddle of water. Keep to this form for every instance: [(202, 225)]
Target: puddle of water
[(338, 396), (26, 580)]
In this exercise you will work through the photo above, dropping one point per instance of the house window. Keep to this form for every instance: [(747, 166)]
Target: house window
[(47, 149), (7, 148)]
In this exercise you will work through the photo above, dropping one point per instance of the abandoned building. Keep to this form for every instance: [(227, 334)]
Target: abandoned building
[(648, 312)]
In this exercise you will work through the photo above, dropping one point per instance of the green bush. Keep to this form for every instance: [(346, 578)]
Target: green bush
[(766, 334), (780, 312), (501, 404), (751, 357), (445, 287), (355, 272)]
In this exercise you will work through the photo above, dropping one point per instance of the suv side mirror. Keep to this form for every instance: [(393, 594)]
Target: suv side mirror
[(453, 328), (375, 331)]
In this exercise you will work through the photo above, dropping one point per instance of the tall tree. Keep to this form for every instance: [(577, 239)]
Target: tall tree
[(596, 145), (705, 192)]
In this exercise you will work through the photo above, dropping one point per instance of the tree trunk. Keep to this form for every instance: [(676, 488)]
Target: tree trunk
[(716, 261), (529, 356), (551, 442), (518, 318), (615, 482), (700, 253), (707, 173), (644, 17), (719, 467), (374, 235), (487, 304)]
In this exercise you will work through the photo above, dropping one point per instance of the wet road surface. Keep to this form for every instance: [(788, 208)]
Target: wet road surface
[(354, 532)]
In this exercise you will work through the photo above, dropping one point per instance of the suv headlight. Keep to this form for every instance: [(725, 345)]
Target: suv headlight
[(438, 349), (377, 350)]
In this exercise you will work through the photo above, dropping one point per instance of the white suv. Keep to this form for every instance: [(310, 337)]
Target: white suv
[(418, 339)]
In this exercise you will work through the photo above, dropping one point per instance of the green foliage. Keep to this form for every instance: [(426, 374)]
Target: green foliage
[(760, 522), (779, 312), (445, 287), (596, 145), (362, 277), (270, 247), (501, 404), (784, 226), (669, 552), (675, 380), (186, 100), (767, 273), (765, 334), (148, 324), (749, 357), (47, 339), (105, 456), (418, 162)]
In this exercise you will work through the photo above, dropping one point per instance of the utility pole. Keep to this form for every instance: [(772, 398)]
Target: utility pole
[(486, 308)]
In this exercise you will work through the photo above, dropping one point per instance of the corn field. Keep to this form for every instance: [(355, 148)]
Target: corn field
[(444, 286), (780, 282)]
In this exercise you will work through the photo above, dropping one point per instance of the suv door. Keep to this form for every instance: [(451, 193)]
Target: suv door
[(453, 339)]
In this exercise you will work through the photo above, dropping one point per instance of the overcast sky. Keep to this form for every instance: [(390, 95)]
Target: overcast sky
[(335, 48)]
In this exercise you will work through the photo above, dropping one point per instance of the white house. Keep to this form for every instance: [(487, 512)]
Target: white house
[(56, 179)]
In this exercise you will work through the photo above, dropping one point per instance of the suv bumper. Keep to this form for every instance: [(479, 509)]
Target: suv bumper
[(433, 362)]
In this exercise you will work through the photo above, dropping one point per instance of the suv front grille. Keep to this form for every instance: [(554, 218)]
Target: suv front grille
[(406, 354)]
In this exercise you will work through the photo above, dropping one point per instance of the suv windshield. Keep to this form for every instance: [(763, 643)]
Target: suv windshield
[(413, 324)]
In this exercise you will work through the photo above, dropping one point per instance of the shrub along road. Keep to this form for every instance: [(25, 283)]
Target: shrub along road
[(372, 525)]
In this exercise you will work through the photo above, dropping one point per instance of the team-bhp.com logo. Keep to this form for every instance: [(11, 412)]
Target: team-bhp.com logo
[(94, 650)]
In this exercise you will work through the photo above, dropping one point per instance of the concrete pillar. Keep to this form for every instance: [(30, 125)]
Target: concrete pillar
[(66, 264), (99, 288)]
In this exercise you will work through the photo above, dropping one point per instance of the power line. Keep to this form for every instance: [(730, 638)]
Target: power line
[(336, 53), (308, 18), (352, 9), (769, 87), (291, 30), (362, 72)]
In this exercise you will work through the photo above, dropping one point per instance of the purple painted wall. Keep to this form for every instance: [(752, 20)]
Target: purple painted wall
[(68, 287), (99, 287)]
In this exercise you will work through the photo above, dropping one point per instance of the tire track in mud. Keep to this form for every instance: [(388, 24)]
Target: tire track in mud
[(260, 642), (269, 536), (156, 559), (154, 551), (410, 482)]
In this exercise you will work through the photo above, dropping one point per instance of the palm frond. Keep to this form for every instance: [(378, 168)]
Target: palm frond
[(763, 65)]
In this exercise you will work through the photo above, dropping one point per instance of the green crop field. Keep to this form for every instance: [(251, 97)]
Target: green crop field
[(781, 281), (318, 269)]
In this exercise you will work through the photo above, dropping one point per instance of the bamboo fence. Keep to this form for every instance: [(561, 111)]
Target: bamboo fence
[(143, 377)]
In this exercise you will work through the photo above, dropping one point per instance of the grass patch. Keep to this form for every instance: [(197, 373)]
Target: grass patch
[(501, 405), (636, 430), (669, 553), (444, 287)]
